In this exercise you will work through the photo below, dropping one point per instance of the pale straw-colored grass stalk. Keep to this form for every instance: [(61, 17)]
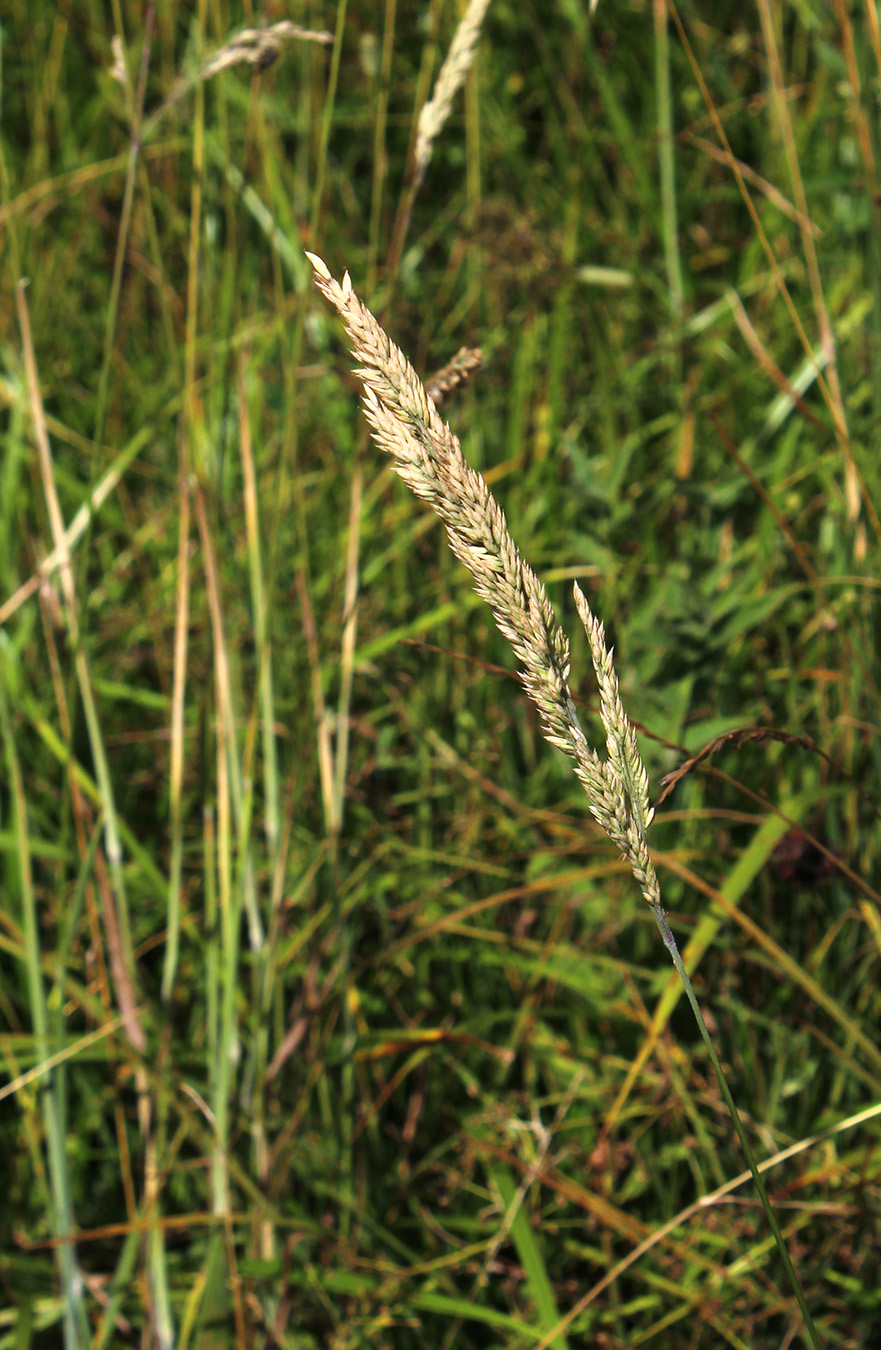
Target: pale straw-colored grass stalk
[(426, 454)]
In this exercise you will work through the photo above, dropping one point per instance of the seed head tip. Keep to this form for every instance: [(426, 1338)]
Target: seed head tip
[(318, 265)]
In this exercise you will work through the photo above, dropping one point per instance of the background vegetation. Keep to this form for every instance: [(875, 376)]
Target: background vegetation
[(327, 1016)]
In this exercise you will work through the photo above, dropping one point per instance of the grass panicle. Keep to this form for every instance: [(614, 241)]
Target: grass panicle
[(259, 47), (426, 454), (455, 68)]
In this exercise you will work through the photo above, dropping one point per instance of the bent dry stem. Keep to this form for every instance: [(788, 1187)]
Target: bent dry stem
[(426, 454)]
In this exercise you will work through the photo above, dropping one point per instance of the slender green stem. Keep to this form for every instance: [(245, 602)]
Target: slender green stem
[(669, 215), (136, 112), (670, 943), (175, 871), (54, 1115), (327, 117)]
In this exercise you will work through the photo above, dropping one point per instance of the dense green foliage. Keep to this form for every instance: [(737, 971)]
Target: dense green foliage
[(362, 1036)]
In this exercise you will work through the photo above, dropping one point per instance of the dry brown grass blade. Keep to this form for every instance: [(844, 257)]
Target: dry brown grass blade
[(116, 919), (783, 524), (767, 362), (740, 737), (773, 194), (756, 736)]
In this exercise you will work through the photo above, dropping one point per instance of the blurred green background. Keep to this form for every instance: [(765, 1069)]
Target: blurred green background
[(327, 1016)]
